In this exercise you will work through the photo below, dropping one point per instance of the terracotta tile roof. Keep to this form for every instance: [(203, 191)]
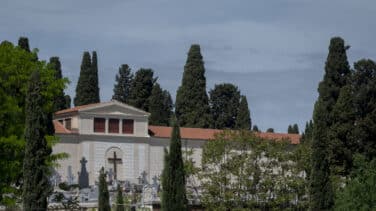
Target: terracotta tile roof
[(207, 134), (75, 109), (185, 133), (60, 129)]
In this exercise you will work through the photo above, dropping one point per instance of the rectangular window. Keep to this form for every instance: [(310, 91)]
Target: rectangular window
[(68, 123), (61, 121), (99, 125), (113, 126), (128, 126)]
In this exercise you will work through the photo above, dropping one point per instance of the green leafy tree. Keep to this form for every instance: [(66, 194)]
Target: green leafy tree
[(141, 89), (173, 176), (336, 76), (192, 105), (104, 196), (123, 84), (36, 186), (360, 190), (241, 171), (16, 67), (120, 206), (59, 99), (87, 90), (365, 107), (224, 103), (243, 117), (160, 107)]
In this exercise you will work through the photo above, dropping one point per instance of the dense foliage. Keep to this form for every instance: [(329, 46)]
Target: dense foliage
[(242, 171), (16, 67), (103, 194), (60, 98), (243, 116), (142, 86), (192, 103), (160, 106)]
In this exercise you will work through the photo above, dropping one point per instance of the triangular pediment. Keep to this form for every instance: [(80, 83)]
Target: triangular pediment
[(114, 108)]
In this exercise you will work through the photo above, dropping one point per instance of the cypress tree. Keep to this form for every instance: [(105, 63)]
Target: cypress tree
[(68, 101), (295, 129), (123, 84), (341, 133), (224, 103), (336, 76), (104, 196), (59, 99), (94, 75), (159, 106), (289, 129), (23, 42), (365, 107), (270, 130), (36, 186), (87, 90), (174, 193), (141, 89), (255, 128), (243, 117), (192, 106), (119, 200)]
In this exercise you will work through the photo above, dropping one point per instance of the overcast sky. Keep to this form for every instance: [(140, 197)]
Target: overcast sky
[(274, 51)]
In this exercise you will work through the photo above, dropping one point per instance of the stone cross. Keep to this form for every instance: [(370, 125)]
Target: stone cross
[(115, 161), (83, 176)]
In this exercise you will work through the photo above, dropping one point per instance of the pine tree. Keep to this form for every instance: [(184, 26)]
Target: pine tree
[(87, 90), (59, 99), (23, 42), (174, 193), (123, 84), (94, 75), (119, 200), (36, 186), (159, 107), (365, 107), (336, 76), (104, 196), (243, 117), (192, 106), (141, 89), (270, 130), (224, 103)]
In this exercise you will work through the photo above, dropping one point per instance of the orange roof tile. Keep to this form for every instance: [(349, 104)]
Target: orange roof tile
[(207, 134), (60, 129)]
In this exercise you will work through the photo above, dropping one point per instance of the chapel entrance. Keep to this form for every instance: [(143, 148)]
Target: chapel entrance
[(114, 163)]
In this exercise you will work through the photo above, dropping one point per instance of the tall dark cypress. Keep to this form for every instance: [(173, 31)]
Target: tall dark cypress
[(23, 42), (224, 105), (94, 75), (173, 177), (87, 90), (336, 76), (59, 99), (243, 117), (159, 107), (365, 106), (36, 186), (192, 104), (120, 206), (103, 195), (68, 101), (123, 85), (142, 86)]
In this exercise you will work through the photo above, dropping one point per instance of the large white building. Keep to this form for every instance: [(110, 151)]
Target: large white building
[(118, 137)]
